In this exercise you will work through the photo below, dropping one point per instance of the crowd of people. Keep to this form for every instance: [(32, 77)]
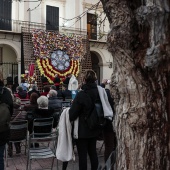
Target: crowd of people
[(45, 104)]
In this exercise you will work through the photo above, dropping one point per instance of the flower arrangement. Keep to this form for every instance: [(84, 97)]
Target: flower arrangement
[(44, 43), (48, 70)]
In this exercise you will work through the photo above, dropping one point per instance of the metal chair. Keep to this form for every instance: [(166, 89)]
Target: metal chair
[(42, 125), (42, 152), (66, 104), (18, 133)]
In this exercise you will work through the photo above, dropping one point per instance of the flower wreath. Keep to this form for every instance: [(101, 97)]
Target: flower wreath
[(44, 43), (49, 71)]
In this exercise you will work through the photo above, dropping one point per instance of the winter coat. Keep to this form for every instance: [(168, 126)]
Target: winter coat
[(6, 98), (22, 94), (42, 113), (81, 107), (66, 81), (66, 94), (54, 103), (30, 107)]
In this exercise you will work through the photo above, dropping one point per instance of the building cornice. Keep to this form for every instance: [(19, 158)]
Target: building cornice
[(89, 5)]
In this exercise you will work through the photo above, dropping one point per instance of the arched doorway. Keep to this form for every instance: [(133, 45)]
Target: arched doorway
[(8, 64), (95, 65)]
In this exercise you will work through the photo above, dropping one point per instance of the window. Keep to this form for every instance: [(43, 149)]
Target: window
[(92, 26), (1, 54), (5, 14), (52, 18)]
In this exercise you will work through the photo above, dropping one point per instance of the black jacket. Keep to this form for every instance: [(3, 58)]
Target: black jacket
[(33, 91), (42, 113), (81, 107), (54, 103), (6, 97), (66, 94)]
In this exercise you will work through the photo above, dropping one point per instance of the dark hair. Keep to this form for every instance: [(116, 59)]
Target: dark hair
[(33, 98), (46, 88), (19, 88), (89, 76), (53, 87), (1, 83)]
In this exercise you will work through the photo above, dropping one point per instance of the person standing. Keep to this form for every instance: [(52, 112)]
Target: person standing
[(44, 80), (67, 79), (73, 86), (57, 81), (5, 97), (81, 107), (109, 134)]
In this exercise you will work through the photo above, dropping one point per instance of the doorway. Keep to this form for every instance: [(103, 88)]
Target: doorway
[(95, 65)]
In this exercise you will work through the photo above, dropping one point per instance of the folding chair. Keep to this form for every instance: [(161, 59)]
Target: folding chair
[(18, 133), (42, 125), (42, 152), (66, 104)]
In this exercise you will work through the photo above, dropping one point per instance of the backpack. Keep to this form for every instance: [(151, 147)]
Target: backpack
[(5, 117), (96, 119)]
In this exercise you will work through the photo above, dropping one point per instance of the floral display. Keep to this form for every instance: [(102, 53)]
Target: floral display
[(57, 53), (44, 43), (49, 71)]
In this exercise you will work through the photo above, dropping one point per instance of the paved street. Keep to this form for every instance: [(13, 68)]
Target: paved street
[(18, 162)]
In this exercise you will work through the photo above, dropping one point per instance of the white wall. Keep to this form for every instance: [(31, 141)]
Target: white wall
[(67, 9), (9, 54)]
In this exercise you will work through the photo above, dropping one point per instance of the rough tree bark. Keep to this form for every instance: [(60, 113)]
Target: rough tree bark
[(139, 41)]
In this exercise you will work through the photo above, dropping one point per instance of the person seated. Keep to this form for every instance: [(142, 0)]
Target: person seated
[(34, 90), (45, 90), (65, 92), (53, 101), (53, 87), (33, 103), (22, 94), (42, 112), (24, 85)]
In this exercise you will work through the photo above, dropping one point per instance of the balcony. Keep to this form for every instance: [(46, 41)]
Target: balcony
[(16, 27)]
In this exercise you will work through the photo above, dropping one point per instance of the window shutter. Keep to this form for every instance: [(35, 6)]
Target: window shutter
[(5, 15), (52, 18), (92, 26)]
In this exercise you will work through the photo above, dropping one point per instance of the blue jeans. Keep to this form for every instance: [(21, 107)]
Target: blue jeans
[(2, 148)]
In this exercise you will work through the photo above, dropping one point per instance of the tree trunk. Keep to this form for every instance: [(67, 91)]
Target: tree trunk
[(139, 41)]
